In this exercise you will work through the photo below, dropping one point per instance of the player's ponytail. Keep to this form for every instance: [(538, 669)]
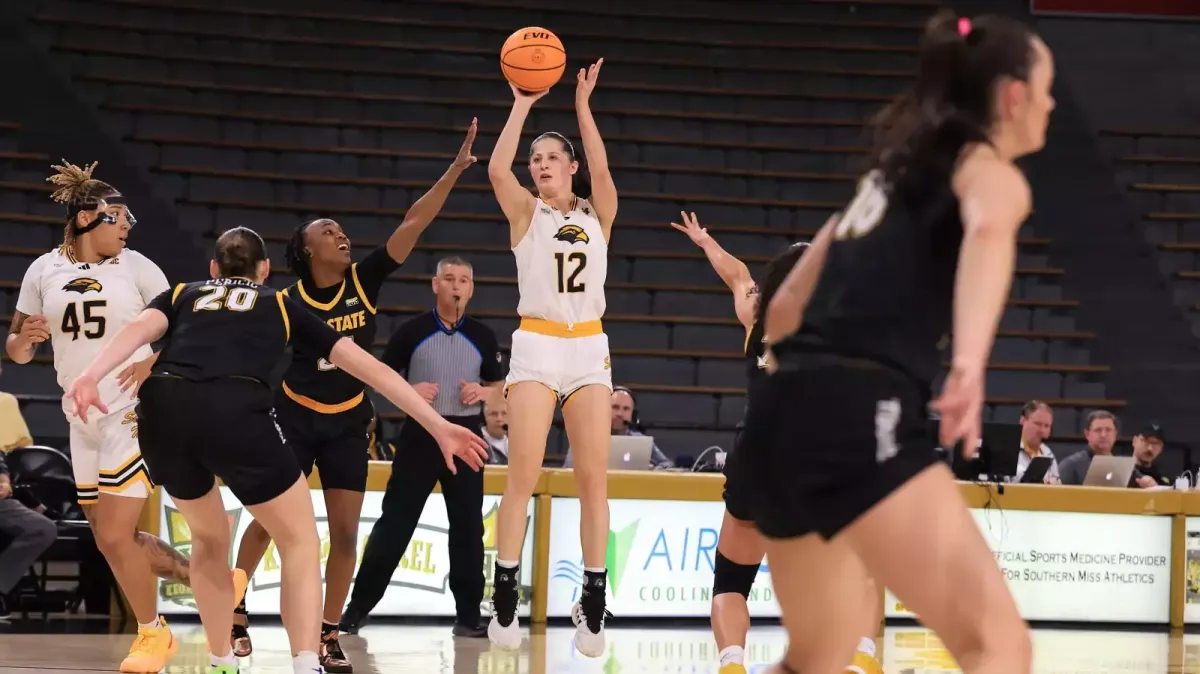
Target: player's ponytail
[(952, 101), (238, 253), (76, 189), (774, 274), (581, 182)]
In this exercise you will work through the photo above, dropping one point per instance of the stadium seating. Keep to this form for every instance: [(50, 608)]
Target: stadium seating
[(1161, 171), (248, 114)]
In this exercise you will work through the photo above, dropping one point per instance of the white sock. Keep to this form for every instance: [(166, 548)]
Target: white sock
[(590, 569), (506, 565), (733, 655), (306, 662), (229, 660), (866, 646), (152, 624)]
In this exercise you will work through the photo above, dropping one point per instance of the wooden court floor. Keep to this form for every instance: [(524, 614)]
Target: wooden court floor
[(393, 649)]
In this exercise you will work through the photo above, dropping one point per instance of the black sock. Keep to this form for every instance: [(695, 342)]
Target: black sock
[(327, 627), (595, 582), (592, 599), (505, 596)]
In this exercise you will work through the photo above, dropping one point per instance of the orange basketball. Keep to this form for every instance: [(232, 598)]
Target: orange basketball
[(533, 59)]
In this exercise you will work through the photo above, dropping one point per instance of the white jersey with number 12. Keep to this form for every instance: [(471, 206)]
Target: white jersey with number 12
[(562, 263)]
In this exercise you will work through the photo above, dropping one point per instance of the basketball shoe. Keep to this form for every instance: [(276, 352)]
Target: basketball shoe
[(151, 650)]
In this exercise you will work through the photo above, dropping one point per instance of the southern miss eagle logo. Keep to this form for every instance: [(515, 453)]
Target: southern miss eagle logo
[(571, 234), (83, 285)]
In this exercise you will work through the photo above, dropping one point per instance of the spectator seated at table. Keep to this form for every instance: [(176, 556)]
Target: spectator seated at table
[(1101, 435), (1037, 420), (1147, 448), (625, 421)]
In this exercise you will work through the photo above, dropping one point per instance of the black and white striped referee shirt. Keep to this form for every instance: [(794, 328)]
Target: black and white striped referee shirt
[(425, 349)]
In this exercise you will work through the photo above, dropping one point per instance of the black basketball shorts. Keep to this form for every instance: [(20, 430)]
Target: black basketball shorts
[(829, 438), (739, 487), (336, 444), (191, 432)]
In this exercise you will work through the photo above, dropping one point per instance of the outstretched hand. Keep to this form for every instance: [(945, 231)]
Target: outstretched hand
[(691, 227), (585, 81), (530, 96), (85, 395), (465, 158), (456, 441)]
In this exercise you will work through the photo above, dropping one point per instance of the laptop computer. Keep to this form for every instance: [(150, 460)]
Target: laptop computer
[(630, 452), (1109, 471), (1035, 472)]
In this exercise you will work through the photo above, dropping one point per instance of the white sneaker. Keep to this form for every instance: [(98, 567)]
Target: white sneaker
[(587, 642), (505, 638)]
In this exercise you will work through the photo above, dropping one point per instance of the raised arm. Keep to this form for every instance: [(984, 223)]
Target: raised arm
[(732, 271), (421, 213), (516, 202), (604, 192)]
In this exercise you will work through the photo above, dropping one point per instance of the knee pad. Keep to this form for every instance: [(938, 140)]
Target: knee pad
[(729, 577)]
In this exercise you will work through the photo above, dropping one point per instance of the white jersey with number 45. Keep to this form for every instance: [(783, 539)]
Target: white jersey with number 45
[(85, 304), (562, 263)]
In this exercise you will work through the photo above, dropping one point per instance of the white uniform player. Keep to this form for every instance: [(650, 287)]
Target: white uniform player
[(562, 263), (85, 304)]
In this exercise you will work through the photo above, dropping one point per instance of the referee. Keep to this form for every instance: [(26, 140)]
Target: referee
[(454, 361)]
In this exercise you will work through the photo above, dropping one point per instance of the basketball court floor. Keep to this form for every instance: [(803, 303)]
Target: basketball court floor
[(395, 649)]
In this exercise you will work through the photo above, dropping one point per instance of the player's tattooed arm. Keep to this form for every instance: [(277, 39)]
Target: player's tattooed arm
[(24, 334), (166, 562)]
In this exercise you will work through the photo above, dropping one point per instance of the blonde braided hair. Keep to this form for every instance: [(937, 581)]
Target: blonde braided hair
[(77, 190)]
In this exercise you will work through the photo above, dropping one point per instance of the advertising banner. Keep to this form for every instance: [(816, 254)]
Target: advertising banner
[(660, 559), (419, 586), (1191, 600), (1078, 566)]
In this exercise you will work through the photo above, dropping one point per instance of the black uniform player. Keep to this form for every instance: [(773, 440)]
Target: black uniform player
[(205, 412), (837, 445), (324, 412), (740, 548)]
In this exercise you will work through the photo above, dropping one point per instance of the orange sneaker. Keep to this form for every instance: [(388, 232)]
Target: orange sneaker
[(151, 650), (864, 664)]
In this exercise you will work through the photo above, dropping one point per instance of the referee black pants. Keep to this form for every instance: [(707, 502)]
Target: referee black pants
[(416, 468)]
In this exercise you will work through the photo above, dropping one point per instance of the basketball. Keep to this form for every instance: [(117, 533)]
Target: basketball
[(533, 59)]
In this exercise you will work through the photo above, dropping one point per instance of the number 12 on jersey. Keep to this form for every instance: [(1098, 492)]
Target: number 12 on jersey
[(566, 278)]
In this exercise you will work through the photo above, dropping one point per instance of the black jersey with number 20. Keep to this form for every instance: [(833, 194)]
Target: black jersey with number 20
[(886, 291), (233, 327)]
